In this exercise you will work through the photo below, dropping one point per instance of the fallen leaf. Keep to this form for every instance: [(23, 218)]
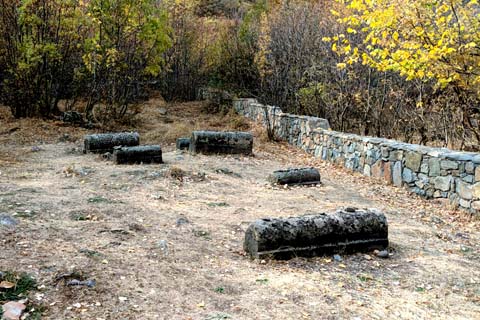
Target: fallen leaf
[(6, 285)]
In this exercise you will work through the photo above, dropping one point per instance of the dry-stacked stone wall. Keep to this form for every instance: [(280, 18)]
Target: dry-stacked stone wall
[(428, 172)]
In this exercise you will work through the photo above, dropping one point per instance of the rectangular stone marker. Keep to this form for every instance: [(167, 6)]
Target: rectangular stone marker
[(213, 142), (345, 231), (138, 154), (183, 143), (105, 142), (300, 176)]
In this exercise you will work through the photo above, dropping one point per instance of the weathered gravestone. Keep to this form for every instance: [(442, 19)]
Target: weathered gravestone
[(105, 142), (213, 142), (345, 231), (137, 154), (183, 143), (301, 176)]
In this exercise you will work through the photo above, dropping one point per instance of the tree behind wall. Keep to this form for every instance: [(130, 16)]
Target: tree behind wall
[(424, 41)]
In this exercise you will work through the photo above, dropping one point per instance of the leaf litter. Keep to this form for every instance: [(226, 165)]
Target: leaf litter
[(431, 271)]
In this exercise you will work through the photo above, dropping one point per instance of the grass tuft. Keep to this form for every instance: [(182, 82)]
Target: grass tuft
[(24, 283)]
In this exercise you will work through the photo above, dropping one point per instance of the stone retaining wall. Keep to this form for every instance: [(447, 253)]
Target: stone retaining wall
[(429, 172)]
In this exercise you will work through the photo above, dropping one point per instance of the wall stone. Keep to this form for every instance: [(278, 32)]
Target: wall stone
[(428, 172)]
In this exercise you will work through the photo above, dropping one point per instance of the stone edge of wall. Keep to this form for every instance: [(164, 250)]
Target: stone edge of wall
[(426, 171)]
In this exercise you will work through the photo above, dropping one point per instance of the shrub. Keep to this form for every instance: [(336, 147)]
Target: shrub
[(39, 54)]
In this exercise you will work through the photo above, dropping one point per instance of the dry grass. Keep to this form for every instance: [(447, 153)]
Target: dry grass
[(164, 247), (181, 119)]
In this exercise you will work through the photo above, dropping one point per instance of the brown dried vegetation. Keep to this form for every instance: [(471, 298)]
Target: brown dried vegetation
[(159, 248)]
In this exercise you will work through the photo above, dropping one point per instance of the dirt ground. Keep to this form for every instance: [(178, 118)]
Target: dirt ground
[(165, 241)]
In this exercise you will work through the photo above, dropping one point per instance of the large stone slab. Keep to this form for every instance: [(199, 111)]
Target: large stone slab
[(300, 176), (408, 176), (464, 190), (138, 154), (476, 190), (477, 173), (434, 165), (442, 183), (344, 231), (413, 161), (377, 169), (397, 174), (105, 142), (183, 143), (214, 142), (448, 165)]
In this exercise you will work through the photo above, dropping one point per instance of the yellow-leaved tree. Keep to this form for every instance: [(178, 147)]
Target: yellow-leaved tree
[(420, 39)]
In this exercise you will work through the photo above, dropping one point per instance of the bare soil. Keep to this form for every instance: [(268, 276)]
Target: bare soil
[(165, 241)]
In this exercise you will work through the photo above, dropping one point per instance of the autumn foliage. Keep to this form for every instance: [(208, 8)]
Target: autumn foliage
[(408, 70), (423, 39)]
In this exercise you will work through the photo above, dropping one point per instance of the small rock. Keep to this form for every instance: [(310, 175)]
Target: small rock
[(7, 221), (240, 211), (64, 138), (107, 156), (36, 149), (350, 209), (73, 150), (337, 258), (136, 227), (157, 197), (181, 221), (13, 310), (367, 257), (227, 171), (155, 175), (162, 111), (437, 220), (73, 117), (163, 245), (462, 235), (88, 283), (382, 254), (82, 172)]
